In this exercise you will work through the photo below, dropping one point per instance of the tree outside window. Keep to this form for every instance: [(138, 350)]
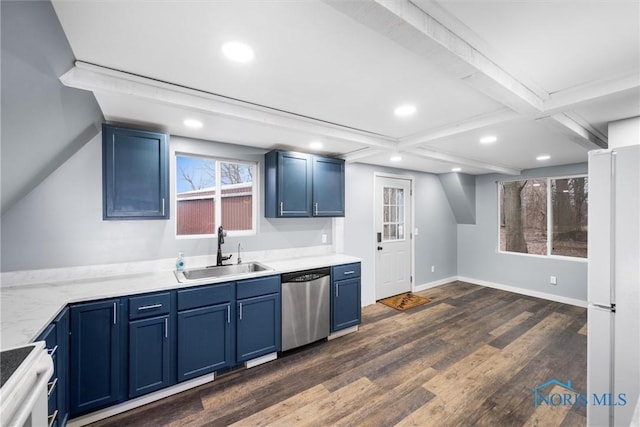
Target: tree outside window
[(528, 208)]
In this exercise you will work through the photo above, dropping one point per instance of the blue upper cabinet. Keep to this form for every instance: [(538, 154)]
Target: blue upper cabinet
[(303, 185), (288, 184), (328, 187), (135, 174)]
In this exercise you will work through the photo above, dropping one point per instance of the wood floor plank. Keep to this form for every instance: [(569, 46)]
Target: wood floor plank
[(549, 415), (583, 330), (512, 323), (330, 408), (452, 404), (275, 412), (469, 357)]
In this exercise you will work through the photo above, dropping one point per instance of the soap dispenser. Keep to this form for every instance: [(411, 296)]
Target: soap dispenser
[(180, 261)]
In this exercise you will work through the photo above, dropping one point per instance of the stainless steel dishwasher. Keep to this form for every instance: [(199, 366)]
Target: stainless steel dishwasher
[(305, 307)]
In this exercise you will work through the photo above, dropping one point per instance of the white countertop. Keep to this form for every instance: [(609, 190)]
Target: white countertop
[(28, 309)]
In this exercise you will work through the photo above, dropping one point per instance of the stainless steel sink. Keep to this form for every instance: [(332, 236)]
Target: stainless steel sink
[(220, 271)]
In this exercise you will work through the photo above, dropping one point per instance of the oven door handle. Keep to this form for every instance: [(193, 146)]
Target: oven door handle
[(39, 390)]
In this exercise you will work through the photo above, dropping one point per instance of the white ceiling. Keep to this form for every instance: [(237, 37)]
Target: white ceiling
[(530, 72)]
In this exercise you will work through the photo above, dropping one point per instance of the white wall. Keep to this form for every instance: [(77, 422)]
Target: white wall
[(624, 132), (478, 256), (59, 223), (435, 243)]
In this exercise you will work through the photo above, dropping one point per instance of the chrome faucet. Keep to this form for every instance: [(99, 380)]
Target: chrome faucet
[(239, 259), (220, 258)]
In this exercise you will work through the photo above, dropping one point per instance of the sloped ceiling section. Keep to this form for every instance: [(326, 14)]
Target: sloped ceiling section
[(43, 122)]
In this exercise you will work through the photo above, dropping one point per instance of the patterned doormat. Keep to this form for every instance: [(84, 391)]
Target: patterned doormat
[(404, 302)]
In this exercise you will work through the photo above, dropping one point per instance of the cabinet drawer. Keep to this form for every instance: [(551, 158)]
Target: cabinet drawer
[(260, 286), (346, 271), (149, 305), (205, 295)]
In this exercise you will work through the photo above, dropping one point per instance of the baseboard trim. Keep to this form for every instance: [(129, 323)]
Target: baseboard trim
[(522, 291), (140, 401), (435, 283)]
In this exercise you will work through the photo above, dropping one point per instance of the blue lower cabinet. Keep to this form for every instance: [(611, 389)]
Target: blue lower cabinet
[(204, 340), (258, 326), (149, 355), (97, 354), (345, 304)]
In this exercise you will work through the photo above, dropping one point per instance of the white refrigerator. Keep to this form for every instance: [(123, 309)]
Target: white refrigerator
[(613, 331)]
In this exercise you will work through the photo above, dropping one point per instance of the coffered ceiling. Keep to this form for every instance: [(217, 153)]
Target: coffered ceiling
[(542, 77)]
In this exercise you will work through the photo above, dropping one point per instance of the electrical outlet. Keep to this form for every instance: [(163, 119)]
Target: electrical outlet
[(433, 268), (324, 238), (553, 280), (415, 232)]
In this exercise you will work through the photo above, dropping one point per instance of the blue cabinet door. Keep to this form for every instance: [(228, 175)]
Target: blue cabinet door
[(328, 187), (96, 356), (149, 355), (287, 184), (204, 340), (345, 304), (258, 326), (135, 174)]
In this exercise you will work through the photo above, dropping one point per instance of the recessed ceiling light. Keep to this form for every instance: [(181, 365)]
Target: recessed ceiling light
[(192, 123), (543, 157), (456, 169), (565, 191), (237, 52), (395, 158), (488, 139), (315, 145), (405, 110), (537, 184)]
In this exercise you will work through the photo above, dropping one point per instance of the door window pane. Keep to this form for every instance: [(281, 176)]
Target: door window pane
[(393, 214)]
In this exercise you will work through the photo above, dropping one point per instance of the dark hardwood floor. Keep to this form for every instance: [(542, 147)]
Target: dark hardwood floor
[(471, 357)]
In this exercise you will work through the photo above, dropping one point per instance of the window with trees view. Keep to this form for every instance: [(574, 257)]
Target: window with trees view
[(212, 192), (544, 216)]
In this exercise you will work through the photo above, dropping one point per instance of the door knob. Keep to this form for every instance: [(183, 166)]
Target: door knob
[(379, 248)]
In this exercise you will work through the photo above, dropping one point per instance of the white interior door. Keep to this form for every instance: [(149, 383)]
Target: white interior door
[(393, 236)]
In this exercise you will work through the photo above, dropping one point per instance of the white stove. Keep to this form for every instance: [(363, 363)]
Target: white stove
[(23, 391)]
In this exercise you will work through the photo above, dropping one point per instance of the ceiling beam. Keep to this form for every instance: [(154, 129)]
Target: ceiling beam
[(477, 122), (99, 79), (430, 153), (574, 131), (577, 95), (421, 33)]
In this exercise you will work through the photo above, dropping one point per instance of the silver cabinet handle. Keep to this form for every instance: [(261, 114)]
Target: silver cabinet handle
[(52, 418), (114, 313), (166, 327), (229, 314), (163, 206), (315, 206), (149, 307), (281, 208), (52, 351), (337, 290), (240, 310), (349, 272), (51, 386)]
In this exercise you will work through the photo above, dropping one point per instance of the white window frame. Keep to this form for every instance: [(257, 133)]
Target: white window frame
[(255, 185), (548, 255)]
